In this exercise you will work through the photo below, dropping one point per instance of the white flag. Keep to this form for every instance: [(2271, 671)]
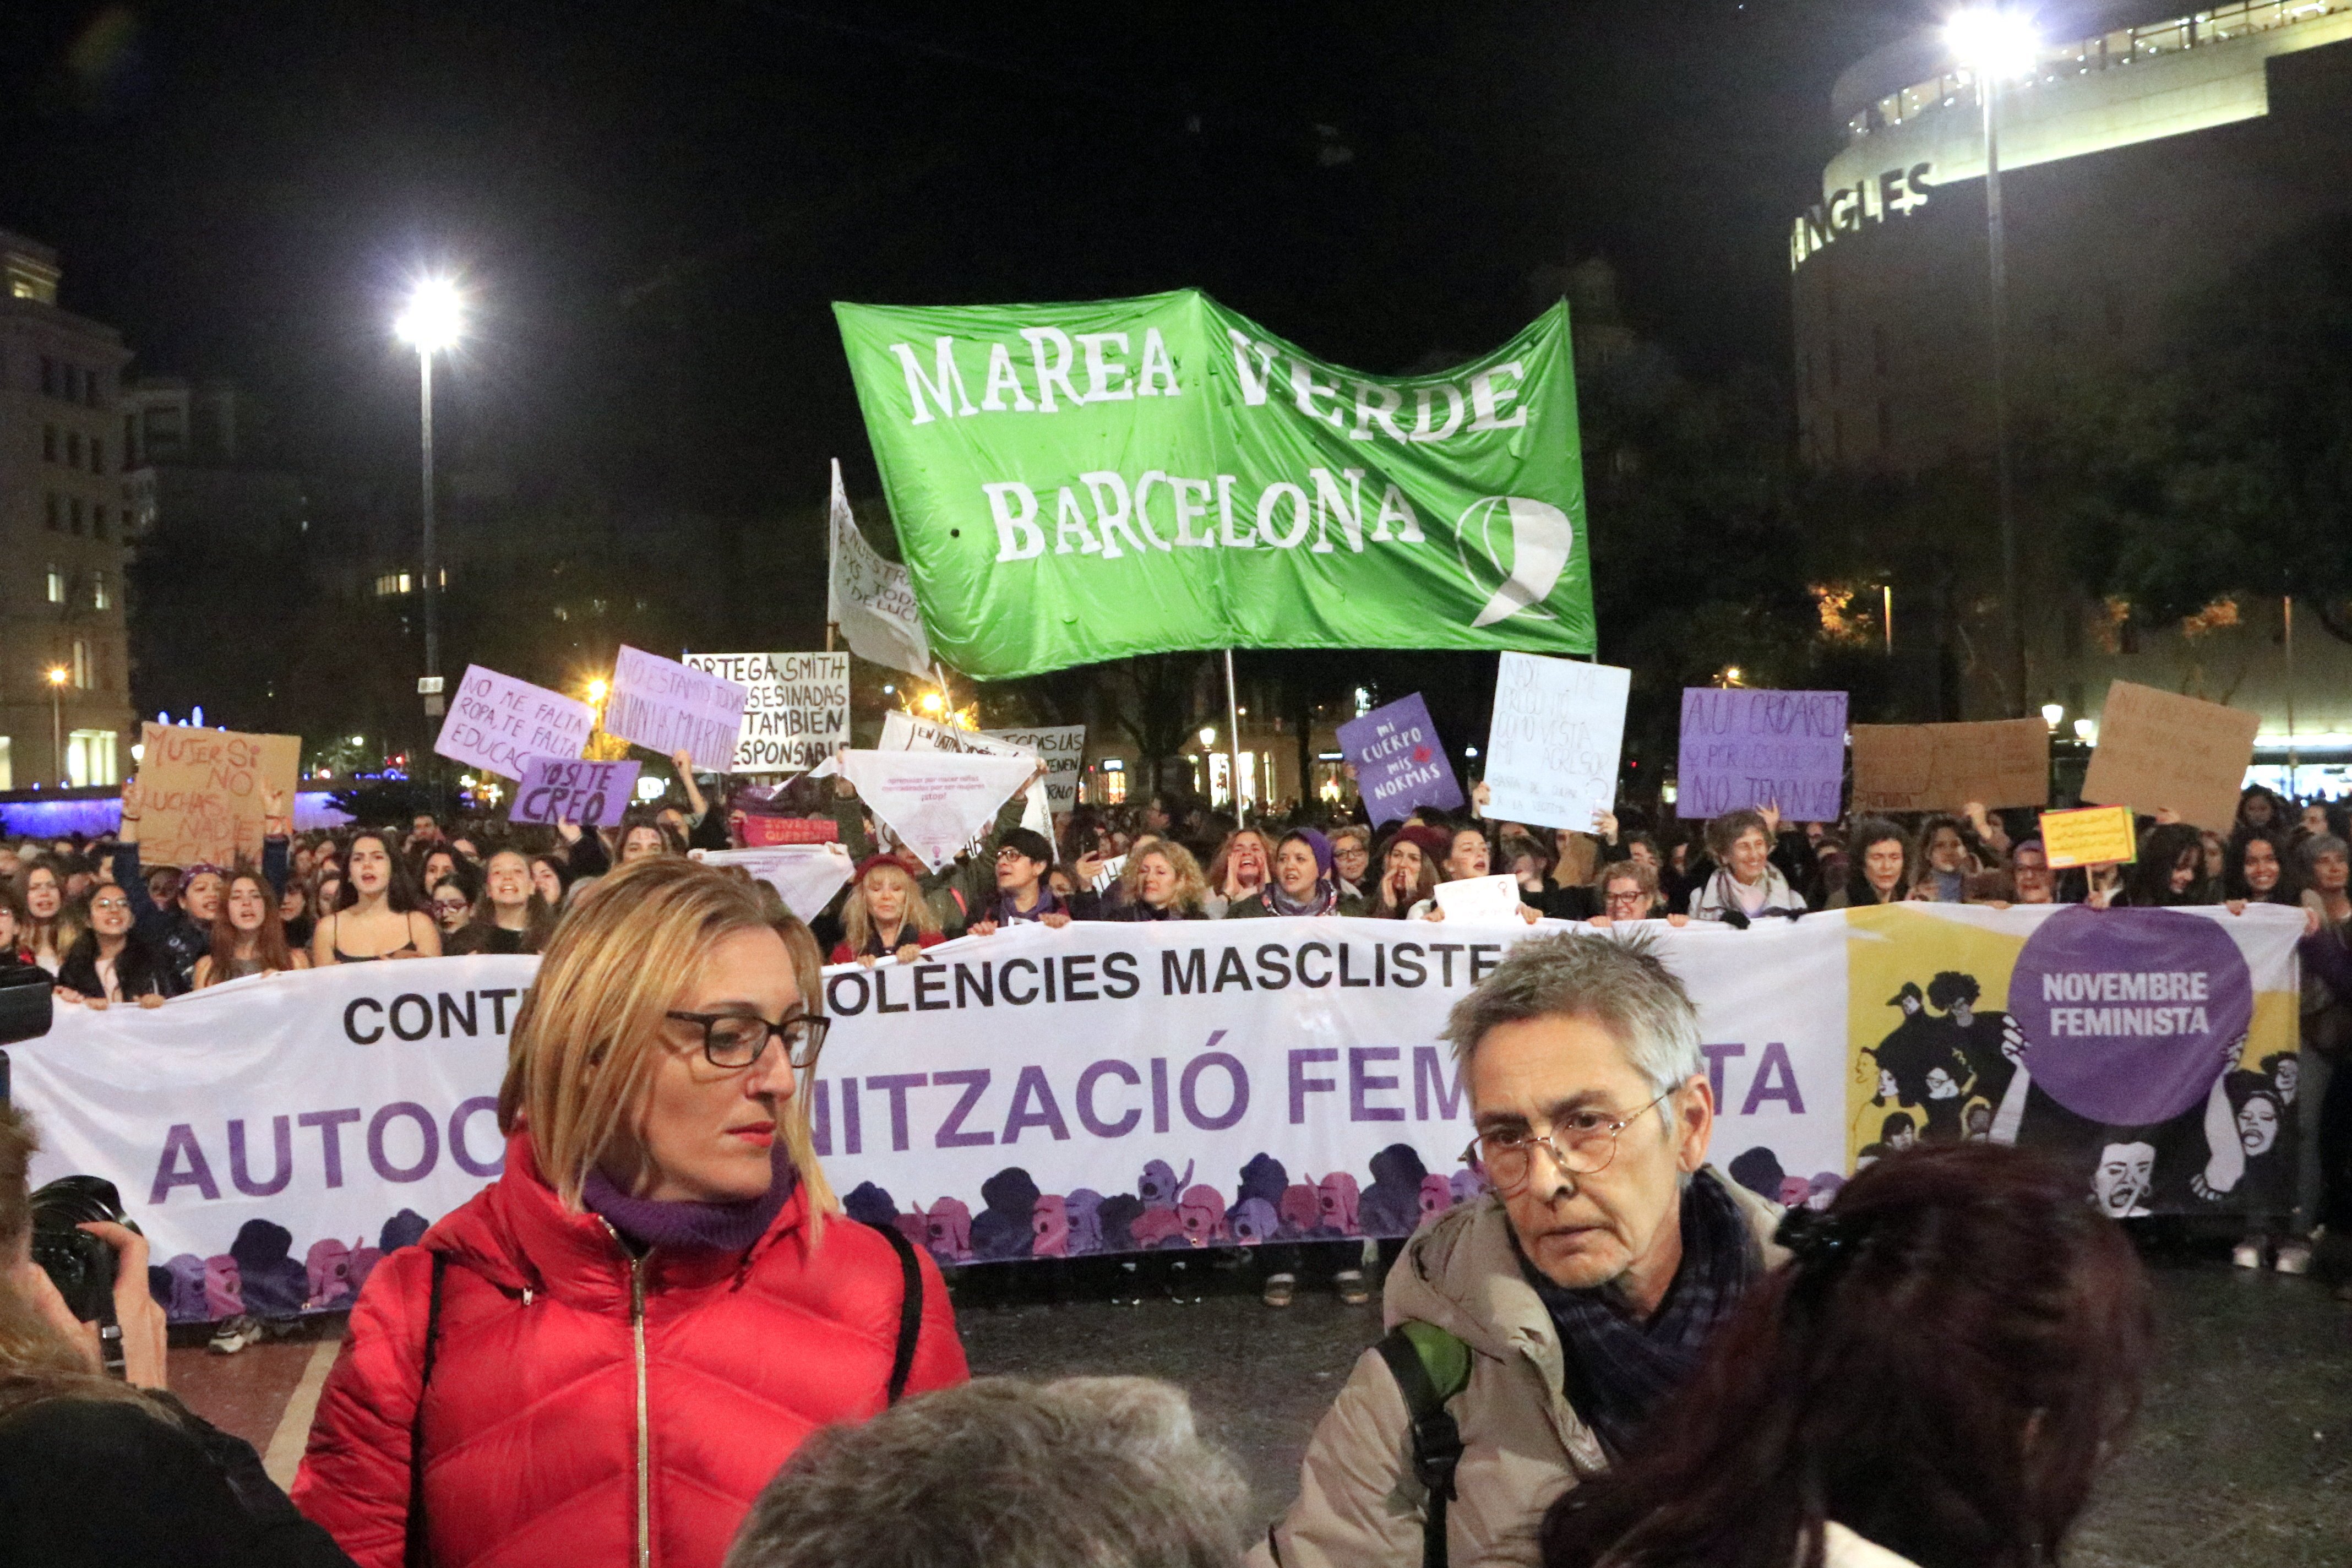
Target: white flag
[(872, 600), (905, 733), (806, 876), (936, 802)]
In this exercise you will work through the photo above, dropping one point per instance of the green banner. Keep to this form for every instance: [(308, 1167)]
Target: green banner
[(1074, 483)]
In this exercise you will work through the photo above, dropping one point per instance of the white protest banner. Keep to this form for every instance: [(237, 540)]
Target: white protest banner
[(870, 599), (273, 1135), (797, 714), (1064, 747), (499, 723), (936, 802), (1111, 1086), (806, 876), (902, 731), (1112, 870), (660, 705), (1551, 754), (1486, 898), (556, 789)]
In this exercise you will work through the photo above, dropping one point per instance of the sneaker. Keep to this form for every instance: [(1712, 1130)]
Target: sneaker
[(1126, 1290), (1181, 1288), (1280, 1288), (2293, 1258), (2247, 1253), (235, 1334), (1352, 1288)]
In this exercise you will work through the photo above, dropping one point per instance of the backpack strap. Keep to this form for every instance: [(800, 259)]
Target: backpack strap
[(415, 1556), (910, 1309), (1430, 1366)]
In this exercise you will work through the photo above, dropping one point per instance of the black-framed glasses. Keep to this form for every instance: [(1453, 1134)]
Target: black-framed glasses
[(738, 1040), (1583, 1142)]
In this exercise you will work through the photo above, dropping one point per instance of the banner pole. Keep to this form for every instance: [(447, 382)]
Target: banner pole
[(831, 624), (1234, 742)]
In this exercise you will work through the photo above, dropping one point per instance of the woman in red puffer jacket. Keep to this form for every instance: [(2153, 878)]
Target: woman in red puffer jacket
[(604, 1355)]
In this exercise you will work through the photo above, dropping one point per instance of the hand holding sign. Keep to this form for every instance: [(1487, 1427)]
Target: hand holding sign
[(2160, 751), (201, 792), (662, 705), (1552, 752)]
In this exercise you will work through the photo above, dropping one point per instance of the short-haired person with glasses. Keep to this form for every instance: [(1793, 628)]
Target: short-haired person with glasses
[(1628, 890), (604, 1355), (1551, 1317)]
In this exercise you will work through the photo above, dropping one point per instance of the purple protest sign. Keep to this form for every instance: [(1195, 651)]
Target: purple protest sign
[(662, 705), (1399, 763), (2131, 1015), (593, 794), (499, 723), (1742, 748)]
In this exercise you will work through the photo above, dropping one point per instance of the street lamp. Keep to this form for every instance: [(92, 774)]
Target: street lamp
[(58, 678), (1995, 44), (2051, 712), (431, 323)]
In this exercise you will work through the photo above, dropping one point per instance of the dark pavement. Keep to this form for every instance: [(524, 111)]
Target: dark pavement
[(2243, 1455)]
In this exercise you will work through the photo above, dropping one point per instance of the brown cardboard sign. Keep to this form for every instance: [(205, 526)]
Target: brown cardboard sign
[(1943, 767), (200, 792), (2159, 750)]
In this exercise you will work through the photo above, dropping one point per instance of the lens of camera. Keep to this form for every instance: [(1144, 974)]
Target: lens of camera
[(81, 1266)]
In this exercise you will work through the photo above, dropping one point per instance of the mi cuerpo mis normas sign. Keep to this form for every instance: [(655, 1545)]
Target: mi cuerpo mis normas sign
[(1074, 483)]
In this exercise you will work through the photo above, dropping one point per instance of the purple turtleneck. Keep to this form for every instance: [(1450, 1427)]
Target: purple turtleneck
[(715, 1226)]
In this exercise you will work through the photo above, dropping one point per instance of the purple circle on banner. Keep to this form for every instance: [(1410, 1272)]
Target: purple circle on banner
[(2132, 1014)]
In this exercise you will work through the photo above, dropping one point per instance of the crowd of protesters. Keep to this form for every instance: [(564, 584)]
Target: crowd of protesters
[(115, 930), (659, 1169), (656, 1336)]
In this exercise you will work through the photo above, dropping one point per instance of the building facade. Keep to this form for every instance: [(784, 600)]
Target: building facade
[(2149, 156), (65, 709)]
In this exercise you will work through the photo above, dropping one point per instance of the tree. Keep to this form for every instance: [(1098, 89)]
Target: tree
[(1156, 699), (2229, 466)]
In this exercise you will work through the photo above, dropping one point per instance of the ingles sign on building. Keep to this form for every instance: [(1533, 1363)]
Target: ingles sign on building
[(1900, 192)]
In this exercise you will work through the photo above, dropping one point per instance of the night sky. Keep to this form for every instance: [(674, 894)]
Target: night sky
[(654, 203)]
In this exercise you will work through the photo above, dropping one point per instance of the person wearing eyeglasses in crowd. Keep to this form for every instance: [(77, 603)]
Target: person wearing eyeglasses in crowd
[(113, 961), (660, 1299), (1584, 1287), (1629, 892), (451, 910)]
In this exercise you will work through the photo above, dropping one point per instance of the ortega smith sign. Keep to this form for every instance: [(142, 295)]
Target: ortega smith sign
[(1072, 483)]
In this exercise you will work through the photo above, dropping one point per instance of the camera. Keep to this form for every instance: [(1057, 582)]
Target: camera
[(83, 1267)]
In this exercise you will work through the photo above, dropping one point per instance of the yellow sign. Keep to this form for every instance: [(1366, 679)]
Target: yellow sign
[(2095, 835)]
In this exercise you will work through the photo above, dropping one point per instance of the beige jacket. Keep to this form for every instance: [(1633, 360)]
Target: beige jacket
[(1358, 1505)]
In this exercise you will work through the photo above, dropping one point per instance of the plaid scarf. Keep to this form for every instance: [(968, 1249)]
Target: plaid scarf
[(1619, 1367)]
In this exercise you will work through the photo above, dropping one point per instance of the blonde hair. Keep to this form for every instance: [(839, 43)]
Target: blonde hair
[(1191, 888), (857, 921), (587, 1038)]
